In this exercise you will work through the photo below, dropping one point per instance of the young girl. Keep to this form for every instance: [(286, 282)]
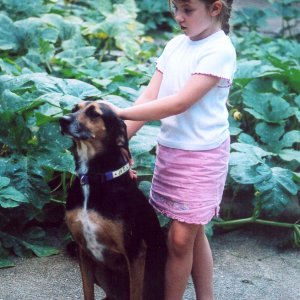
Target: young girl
[(190, 87)]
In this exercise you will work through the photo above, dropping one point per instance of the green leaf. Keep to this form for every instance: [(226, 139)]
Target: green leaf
[(289, 155), (294, 78), (284, 177), (234, 126), (27, 178), (145, 186), (145, 140), (248, 148), (238, 158), (10, 197), (25, 8), (250, 174), (290, 138), (274, 198), (9, 39), (41, 251), (6, 263), (8, 66), (4, 181), (267, 106), (245, 138), (277, 190), (270, 134)]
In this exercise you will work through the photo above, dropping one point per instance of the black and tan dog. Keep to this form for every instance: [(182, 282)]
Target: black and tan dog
[(121, 245)]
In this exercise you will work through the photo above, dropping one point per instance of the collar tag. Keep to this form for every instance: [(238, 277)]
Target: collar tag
[(84, 178), (121, 171)]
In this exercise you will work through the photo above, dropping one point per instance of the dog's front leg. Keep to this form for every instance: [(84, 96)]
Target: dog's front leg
[(136, 268), (87, 274)]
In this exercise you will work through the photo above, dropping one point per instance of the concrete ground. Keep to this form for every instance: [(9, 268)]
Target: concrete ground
[(248, 265)]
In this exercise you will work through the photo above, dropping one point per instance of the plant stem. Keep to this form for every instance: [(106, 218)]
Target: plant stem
[(255, 221)]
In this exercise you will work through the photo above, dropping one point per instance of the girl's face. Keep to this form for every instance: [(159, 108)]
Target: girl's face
[(197, 20)]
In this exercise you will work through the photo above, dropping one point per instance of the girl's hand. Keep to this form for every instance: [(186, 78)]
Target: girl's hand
[(113, 107)]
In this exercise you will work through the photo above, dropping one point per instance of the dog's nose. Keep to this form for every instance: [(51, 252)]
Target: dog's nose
[(65, 120)]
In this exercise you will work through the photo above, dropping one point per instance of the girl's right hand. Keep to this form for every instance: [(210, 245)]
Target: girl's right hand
[(113, 107)]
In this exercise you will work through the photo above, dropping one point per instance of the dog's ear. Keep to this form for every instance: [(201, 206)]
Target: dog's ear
[(122, 141)]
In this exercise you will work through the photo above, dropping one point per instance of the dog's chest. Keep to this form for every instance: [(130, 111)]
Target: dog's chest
[(96, 234)]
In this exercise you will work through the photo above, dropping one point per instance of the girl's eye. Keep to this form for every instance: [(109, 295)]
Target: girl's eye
[(188, 11)]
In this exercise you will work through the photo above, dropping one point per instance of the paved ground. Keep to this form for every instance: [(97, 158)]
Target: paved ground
[(248, 265)]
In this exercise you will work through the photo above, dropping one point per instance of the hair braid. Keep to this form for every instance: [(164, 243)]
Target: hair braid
[(225, 16)]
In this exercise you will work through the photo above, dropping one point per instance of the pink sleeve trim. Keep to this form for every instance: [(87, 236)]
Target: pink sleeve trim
[(228, 81), (157, 69)]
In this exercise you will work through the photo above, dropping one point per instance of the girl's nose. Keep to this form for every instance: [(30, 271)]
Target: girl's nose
[(178, 17)]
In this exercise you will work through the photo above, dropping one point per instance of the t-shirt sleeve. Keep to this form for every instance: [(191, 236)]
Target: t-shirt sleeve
[(161, 62), (163, 58), (218, 62)]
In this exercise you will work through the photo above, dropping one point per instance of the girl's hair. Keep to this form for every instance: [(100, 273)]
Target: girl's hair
[(224, 15)]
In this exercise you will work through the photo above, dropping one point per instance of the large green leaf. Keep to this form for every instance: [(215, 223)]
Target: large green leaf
[(25, 7), (270, 134), (26, 178), (290, 138), (250, 174), (9, 196), (289, 155), (6, 263), (240, 159), (145, 140), (267, 106), (249, 148), (277, 190), (9, 36)]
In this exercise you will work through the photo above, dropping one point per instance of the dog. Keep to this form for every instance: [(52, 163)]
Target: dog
[(121, 246)]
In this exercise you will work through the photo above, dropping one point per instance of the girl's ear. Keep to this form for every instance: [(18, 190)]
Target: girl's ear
[(216, 8)]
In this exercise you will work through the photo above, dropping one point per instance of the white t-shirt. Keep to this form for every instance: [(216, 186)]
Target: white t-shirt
[(204, 125)]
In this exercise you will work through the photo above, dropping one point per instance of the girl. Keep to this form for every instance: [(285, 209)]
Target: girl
[(190, 87)]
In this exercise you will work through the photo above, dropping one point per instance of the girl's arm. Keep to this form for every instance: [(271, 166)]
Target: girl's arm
[(149, 94), (196, 87)]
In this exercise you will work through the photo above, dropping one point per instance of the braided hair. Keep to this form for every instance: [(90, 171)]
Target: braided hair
[(225, 15)]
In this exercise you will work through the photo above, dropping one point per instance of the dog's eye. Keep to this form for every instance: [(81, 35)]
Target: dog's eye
[(92, 113)]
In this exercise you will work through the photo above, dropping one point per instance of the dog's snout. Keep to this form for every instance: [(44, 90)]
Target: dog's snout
[(65, 120)]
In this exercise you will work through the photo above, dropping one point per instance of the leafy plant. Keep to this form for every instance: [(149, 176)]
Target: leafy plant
[(264, 125)]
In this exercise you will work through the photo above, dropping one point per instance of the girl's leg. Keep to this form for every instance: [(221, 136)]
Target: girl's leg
[(181, 240), (202, 269)]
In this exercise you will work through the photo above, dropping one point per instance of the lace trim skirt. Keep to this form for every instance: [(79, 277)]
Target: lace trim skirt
[(188, 185)]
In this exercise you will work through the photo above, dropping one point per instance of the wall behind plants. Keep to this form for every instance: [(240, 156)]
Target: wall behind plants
[(56, 53)]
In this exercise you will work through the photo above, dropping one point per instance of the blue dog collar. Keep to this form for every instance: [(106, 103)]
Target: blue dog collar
[(104, 177)]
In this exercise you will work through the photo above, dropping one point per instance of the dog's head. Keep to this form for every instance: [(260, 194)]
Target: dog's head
[(98, 127)]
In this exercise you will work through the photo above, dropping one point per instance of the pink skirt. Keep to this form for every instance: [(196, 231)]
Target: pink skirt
[(188, 185)]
